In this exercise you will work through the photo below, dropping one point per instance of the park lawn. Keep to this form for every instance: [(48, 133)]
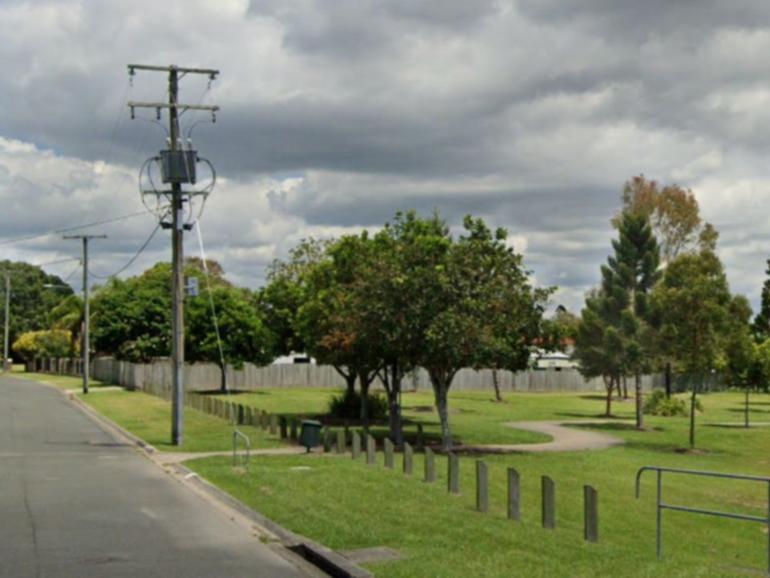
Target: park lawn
[(60, 381), (149, 418), (476, 418), (346, 504)]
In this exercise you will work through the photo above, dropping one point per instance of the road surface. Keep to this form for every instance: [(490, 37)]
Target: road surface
[(76, 503)]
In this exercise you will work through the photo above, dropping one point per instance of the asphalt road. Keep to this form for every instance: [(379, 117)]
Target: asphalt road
[(76, 503)]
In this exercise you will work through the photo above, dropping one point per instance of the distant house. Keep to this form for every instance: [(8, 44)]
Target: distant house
[(553, 360), (293, 358)]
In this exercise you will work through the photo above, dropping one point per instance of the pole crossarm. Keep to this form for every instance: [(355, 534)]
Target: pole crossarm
[(182, 107), (212, 73)]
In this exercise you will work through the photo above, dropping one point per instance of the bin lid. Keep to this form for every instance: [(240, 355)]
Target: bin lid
[(311, 422)]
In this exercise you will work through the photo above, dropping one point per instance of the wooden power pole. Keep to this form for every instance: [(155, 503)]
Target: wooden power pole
[(178, 168), (85, 347)]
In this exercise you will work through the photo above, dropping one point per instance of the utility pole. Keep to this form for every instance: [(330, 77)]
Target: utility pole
[(178, 167), (7, 319), (86, 340)]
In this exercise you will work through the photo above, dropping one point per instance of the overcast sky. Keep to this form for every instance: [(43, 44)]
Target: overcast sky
[(335, 114)]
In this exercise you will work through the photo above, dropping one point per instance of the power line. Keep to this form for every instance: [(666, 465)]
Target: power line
[(55, 262), (132, 259), (69, 229)]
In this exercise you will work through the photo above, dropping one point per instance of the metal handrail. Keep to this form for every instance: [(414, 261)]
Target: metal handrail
[(239, 434), (661, 505)]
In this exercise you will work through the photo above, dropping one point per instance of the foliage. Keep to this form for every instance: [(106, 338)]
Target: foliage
[(692, 303), (243, 337), (672, 210), (761, 325), (347, 405), (31, 301), (658, 403), (47, 343)]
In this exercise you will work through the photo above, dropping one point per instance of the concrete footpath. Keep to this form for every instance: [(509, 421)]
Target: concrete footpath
[(74, 502)]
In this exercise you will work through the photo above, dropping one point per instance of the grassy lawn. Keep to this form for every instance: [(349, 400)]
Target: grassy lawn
[(346, 504), (60, 381), (149, 418)]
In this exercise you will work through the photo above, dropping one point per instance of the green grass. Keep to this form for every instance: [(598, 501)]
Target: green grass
[(345, 504), (60, 381), (149, 418)]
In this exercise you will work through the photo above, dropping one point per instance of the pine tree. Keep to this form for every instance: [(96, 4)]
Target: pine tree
[(761, 325), (621, 303)]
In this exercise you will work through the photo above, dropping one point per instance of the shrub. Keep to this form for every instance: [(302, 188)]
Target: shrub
[(347, 405), (659, 404)]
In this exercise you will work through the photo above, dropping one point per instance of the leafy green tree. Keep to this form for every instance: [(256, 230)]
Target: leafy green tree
[(237, 336), (482, 312), (30, 301), (286, 291), (740, 365), (693, 302), (68, 315), (56, 343)]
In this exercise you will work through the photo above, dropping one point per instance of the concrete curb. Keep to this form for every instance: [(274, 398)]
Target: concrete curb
[(317, 554)]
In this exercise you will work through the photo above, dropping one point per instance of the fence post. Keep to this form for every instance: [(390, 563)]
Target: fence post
[(356, 443), (341, 442), (591, 514), (514, 495), (549, 502), (371, 450), (430, 466), (408, 459), (388, 450), (453, 473), (482, 487)]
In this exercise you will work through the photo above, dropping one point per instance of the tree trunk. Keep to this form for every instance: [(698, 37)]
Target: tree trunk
[(364, 385), (625, 387), (392, 376), (223, 378), (440, 391), (609, 384), (746, 409), (638, 390), (668, 379), (692, 416), (349, 377), (496, 383)]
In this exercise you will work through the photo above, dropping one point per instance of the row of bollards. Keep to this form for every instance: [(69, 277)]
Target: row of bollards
[(547, 485)]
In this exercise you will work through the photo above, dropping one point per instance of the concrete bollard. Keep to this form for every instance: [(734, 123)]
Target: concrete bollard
[(371, 450), (591, 514), (408, 459), (273, 424), (430, 466), (549, 502), (388, 451), (514, 495), (453, 473), (341, 442), (356, 445), (482, 487)]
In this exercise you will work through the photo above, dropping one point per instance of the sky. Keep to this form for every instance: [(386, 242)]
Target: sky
[(334, 115)]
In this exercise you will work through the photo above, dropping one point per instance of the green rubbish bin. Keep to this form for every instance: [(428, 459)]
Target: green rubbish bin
[(310, 435)]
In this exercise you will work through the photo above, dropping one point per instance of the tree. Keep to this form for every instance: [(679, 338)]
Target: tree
[(31, 301), (740, 363), (761, 325), (239, 335), (285, 293), (599, 346), (68, 315), (47, 343), (672, 211), (628, 277), (482, 312), (330, 321), (693, 302)]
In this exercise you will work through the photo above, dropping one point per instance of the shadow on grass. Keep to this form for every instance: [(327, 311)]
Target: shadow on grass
[(592, 415), (615, 427), (743, 410), (595, 397)]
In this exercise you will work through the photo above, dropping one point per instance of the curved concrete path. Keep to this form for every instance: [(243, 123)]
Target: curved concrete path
[(565, 439)]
